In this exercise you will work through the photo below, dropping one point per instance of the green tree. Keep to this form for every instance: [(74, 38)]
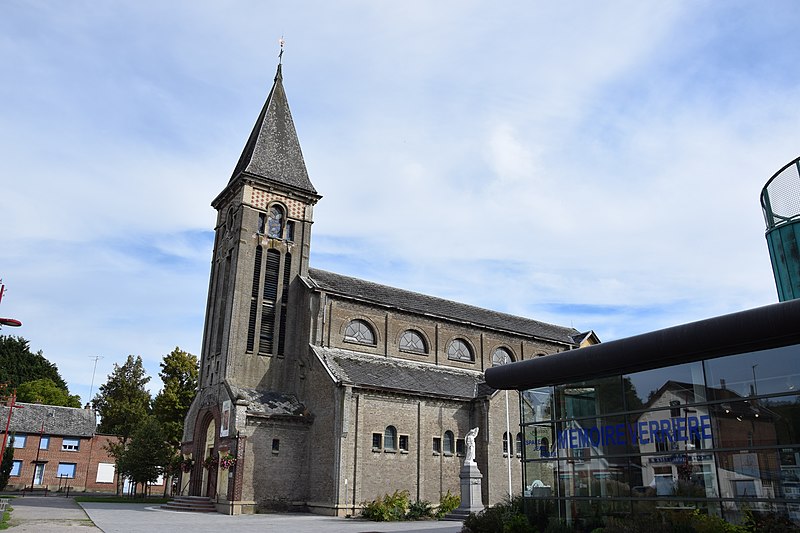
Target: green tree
[(179, 374), (147, 455), (46, 391), (7, 463), (122, 402), (18, 364)]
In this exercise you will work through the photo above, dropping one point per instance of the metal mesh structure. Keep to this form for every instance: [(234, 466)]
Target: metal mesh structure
[(780, 197)]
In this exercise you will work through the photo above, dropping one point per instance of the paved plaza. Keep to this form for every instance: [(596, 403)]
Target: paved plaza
[(55, 514)]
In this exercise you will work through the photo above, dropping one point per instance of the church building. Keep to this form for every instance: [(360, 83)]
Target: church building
[(320, 391)]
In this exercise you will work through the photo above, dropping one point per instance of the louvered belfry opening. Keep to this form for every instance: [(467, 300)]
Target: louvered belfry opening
[(251, 322), (265, 296), (267, 331), (287, 268)]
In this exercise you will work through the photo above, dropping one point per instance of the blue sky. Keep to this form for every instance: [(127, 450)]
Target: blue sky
[(590, 164)]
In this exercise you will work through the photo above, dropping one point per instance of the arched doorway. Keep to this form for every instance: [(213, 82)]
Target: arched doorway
[(204, 480)]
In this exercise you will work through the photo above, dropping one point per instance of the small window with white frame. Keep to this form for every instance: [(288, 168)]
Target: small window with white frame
[(69, 444), (19, 440)]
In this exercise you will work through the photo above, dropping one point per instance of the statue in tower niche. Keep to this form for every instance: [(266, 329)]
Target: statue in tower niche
[(470, 441)]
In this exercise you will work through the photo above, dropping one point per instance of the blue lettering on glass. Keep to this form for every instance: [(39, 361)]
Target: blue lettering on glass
[(648, 432)]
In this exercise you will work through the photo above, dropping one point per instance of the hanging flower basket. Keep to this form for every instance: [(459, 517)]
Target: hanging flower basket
[(211, 461), (187, 464), (227, 461)]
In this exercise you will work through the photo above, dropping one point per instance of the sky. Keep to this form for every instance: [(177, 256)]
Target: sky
[(596, 165)]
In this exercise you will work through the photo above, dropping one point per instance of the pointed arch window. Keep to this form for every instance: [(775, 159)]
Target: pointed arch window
[(412, 341), (459, 350), (518, 444), (360, 332)]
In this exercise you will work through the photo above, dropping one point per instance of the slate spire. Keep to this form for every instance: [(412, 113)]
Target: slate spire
[(272, 153)]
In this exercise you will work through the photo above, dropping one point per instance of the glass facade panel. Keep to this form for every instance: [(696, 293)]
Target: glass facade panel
[(589, 398), (687, 380), (707, 435), (756, 373), (537, 405)]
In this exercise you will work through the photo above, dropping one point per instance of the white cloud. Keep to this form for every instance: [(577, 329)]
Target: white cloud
[(594, 165)]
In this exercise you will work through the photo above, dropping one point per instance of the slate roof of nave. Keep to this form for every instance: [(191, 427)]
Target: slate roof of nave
[(64, 421), (374, 371), (431, 305), (268, 403)]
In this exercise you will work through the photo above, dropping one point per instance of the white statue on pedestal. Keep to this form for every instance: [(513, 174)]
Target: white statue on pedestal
[(470, 441)]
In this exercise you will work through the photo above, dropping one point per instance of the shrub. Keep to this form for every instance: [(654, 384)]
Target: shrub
[(386, 509), (421, 510), (759, 522), (447, 504), (494, 519)]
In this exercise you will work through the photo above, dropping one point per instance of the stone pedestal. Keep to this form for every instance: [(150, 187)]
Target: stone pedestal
[(471, 499)]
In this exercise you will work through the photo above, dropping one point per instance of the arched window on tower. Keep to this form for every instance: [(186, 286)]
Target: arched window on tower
[(360, 332), (275, 221)]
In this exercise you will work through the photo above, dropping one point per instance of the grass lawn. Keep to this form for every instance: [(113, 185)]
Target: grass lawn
[(7, 514)]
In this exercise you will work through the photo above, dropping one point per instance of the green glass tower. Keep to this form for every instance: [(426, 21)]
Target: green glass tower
[(780, 201)]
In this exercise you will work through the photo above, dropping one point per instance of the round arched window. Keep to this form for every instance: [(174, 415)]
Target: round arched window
[(501, 356), (360, 332), (411, 341), (458, 350), (275, 222)]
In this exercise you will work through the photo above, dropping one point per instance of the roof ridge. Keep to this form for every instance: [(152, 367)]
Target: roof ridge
[(564, 330)]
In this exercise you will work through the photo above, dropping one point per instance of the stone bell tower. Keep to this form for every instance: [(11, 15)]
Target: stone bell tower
[(263, 234)]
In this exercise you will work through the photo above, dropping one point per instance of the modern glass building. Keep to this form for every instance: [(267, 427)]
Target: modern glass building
[(700, 416), (780, 202)]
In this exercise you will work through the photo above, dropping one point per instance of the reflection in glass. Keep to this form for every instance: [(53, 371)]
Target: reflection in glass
[(756, 373), (537, 405), (642, 387), (589, 398)]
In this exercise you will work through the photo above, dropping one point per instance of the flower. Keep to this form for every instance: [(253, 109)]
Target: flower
[(211, 461), (187, 464), (227, 461)]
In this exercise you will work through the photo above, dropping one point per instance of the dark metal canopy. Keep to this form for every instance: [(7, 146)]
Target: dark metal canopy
[(762, 328)]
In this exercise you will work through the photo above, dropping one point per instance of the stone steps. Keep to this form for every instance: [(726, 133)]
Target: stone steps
[(191, 504)]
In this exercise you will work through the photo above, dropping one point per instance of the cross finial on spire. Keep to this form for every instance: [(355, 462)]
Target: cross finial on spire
[(281, 42)]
